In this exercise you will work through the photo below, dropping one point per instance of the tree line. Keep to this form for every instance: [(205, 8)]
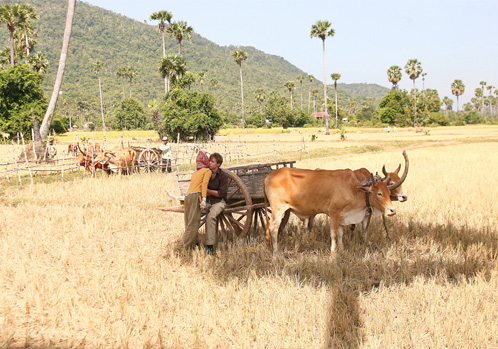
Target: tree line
[(189, 106)]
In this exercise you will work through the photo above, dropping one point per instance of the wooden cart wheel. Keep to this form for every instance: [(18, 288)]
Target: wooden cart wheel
[(148, 160), (235, 221), (259, 219)]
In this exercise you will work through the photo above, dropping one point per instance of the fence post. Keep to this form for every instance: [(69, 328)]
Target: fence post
[(26, 157)]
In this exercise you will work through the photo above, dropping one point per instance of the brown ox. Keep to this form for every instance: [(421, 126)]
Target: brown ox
[(397, 193), (395, 182), (337, 193), (118, 161)]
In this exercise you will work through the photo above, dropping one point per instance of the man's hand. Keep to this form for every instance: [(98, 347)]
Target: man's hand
[(203, 203)]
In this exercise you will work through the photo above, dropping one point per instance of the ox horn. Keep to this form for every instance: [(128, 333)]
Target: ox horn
[(403, 177), (82, 152)]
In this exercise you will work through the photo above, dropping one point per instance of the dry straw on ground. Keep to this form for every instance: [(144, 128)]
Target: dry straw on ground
[(88, 263)]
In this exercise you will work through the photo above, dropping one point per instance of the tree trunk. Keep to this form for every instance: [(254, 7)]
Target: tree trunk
[(27, 41), (242, 95), (47, 120), (335, 88), (122, 84), (327, 131), (415, 120), (102, 107), (12, 60)]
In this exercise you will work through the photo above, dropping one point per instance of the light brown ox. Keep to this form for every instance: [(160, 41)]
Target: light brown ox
[(118, 161), (397, 194), (395, 182), (337, 193)]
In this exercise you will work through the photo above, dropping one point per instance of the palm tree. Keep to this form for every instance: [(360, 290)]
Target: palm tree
[(47, 119), (201, 76), (131, 72), (239, 56), (163, 17), (172, 68), (213, 82), (335, 77), (490, 88), (179, 31), (457, 89), (260, 96), (448, 103), (394, 75), (413, 68), (38, 63), (121, 72), (300, 79), (321, 29), (483, 86), (27, 13), (10, 14), (310, 79), (290, 85), (314, 92), (479, 93), (97, 67)]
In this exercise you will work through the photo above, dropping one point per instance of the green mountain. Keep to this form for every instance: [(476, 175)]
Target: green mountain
[(116, 40)]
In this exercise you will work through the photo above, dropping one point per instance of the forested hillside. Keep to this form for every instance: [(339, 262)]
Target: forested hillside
[(118, 41)]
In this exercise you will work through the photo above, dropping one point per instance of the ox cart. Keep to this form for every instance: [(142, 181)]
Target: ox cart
[(148, 159), (245, 199)]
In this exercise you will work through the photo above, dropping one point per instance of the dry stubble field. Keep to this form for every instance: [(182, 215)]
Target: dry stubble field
[(88, 263)]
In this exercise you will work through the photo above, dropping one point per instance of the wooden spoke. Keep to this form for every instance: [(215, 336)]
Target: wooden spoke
[(233, 193), (236, 203)]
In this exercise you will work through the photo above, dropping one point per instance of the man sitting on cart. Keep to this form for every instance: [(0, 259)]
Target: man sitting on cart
[(216, 201)]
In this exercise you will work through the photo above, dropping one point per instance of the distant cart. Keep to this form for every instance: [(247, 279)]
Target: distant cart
[(245, 198), (148, 159)]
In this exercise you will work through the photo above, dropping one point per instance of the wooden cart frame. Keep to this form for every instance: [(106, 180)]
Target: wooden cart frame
[(148, 159), (245, 198)]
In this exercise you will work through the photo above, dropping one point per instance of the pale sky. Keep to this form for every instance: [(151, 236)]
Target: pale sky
[(453, 39)]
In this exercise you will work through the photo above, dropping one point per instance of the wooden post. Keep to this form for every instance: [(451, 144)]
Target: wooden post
[(26, 158)]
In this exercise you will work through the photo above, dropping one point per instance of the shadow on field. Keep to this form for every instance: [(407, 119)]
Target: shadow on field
[(447, 253)]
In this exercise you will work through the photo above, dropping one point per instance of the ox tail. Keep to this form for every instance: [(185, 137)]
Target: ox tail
[(268, 237)]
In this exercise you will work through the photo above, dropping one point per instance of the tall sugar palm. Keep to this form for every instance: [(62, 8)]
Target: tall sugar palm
[(457, 89), (291, 85), (26, 15), (163, 17), (448, 103), (201, 75), (213, 82), (490, 98), (413, 68), (314, 92), (239, 56), (394, 75), (335, 77), (10, 14), (38, 63), (259, 96), (322, 30), (47, 119), (131, 72), (121, 72), (172, 68), (97, 67), (310, 79), (483, 86), (300, 79), (180, 30), (479, 94)]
